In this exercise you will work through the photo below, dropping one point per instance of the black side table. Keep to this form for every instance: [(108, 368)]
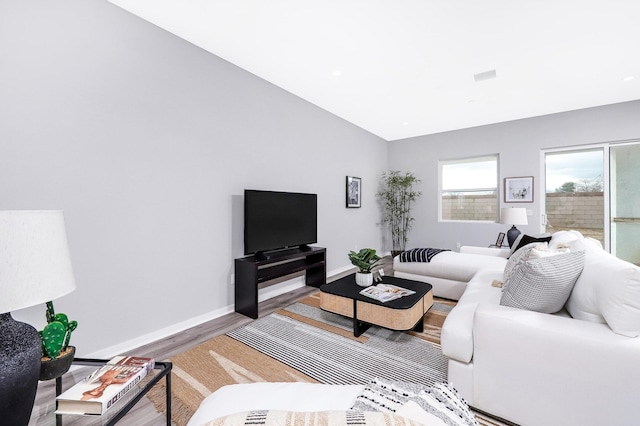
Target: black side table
[(120, 409)]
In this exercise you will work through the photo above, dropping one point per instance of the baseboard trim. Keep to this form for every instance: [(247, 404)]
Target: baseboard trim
[(263, 294)]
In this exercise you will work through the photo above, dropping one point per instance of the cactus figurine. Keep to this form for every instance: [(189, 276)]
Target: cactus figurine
[(52, 339), (57, 333)]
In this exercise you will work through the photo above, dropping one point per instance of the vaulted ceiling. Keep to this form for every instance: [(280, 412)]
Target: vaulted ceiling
[(404, 68)]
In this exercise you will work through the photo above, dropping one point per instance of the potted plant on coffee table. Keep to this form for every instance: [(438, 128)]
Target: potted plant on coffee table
[(364, 260), (57, 355)]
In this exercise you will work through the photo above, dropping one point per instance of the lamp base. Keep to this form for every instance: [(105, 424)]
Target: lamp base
[(20, 354), (512, 234)]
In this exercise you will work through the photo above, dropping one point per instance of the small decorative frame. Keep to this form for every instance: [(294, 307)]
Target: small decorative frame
[(354, 192), (518, 189), (500, 239)]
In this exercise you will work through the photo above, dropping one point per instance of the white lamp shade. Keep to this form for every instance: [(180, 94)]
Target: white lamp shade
[(35, 264), (513, 216)]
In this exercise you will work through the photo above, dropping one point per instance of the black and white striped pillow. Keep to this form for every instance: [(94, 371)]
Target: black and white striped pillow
[(441, 400)]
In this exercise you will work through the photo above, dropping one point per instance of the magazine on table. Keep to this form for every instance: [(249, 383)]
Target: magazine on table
[(386, 292)]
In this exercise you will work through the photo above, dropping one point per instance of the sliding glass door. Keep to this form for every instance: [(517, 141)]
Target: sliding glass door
[(597, 192), (625, 201), (574, 197)]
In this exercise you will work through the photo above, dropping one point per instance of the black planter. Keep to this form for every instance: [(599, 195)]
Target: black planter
[(53, 368)]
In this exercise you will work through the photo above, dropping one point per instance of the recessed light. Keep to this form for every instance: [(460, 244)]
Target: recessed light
[(629, 78), (405, 123), (337, 73), (482, 76)]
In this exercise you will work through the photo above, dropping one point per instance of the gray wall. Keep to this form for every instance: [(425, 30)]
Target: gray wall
[(147, 143), (519, 144)]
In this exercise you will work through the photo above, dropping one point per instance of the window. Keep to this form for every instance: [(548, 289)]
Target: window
[(469, 189)]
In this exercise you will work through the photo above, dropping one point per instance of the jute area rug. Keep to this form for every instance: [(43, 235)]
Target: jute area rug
[(302, 343)]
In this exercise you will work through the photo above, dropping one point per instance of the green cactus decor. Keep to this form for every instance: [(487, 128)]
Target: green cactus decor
[(56, 334)]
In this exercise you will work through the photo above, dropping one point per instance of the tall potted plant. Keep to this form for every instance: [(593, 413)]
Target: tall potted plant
[(397, 195)]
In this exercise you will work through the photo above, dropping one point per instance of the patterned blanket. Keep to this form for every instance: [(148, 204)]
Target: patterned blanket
[(321, 418), (420, 254)]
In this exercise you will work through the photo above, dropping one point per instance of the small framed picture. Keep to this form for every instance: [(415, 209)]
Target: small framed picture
[(500, 239), (518, 189), (354, 191)]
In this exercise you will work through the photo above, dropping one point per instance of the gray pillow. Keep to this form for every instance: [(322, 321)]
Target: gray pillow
[(518, 259), (543, 285)]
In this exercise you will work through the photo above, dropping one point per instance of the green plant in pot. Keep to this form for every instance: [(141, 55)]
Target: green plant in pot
[(396, 195), (57, 355), (364, 260)]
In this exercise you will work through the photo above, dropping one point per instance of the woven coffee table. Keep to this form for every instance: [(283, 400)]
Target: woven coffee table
[(343, 297)]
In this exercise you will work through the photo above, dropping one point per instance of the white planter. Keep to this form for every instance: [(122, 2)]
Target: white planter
[(364, 279)]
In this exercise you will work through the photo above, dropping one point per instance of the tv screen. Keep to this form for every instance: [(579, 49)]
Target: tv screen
[(276, 220)]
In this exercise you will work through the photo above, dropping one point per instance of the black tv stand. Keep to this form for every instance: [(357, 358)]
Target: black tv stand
[(250, 271), (275, 254)]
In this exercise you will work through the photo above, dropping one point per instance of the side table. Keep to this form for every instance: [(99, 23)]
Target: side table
[(115, 414)]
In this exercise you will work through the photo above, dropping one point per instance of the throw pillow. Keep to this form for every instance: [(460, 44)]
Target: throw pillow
[(542, 250), (441, 400), (515, 244), (420, 254), (444, 402), (564, 238), (385, 395), (526, 240), (543, 285), (518, 259)]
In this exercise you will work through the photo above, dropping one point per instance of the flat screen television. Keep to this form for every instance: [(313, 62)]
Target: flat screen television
[(278, 220)]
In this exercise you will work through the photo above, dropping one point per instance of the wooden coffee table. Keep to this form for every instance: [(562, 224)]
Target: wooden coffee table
[(406, 313)]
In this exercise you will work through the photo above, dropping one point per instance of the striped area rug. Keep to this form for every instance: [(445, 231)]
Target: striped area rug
[(302, 343), (320, 345)]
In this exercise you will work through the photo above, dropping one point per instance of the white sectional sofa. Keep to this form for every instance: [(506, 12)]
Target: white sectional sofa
[(577, 366), (449, 271)]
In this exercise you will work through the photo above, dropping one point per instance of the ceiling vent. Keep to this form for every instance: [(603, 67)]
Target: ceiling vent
[(483, 76)]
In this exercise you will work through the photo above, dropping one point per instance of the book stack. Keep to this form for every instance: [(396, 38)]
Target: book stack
[(99, 392)]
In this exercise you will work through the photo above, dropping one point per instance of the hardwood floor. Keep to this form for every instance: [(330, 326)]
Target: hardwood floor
[(144, 413)]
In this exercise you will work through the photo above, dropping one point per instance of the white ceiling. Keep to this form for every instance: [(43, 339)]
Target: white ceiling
[(403, 68)]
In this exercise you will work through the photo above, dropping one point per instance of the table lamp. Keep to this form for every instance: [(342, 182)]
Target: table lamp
[(513, 216), (35, 267)]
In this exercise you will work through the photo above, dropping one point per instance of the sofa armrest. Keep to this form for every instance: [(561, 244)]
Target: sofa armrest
[(486, 251), (550, 369)]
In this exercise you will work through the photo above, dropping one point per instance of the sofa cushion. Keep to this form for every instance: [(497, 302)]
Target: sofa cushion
[(563, 238), (608, 290), (457, 331), (451, 265), (543, 284)]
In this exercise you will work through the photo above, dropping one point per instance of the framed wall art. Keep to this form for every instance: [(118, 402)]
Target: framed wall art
[(518, 189), (354, 192)]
